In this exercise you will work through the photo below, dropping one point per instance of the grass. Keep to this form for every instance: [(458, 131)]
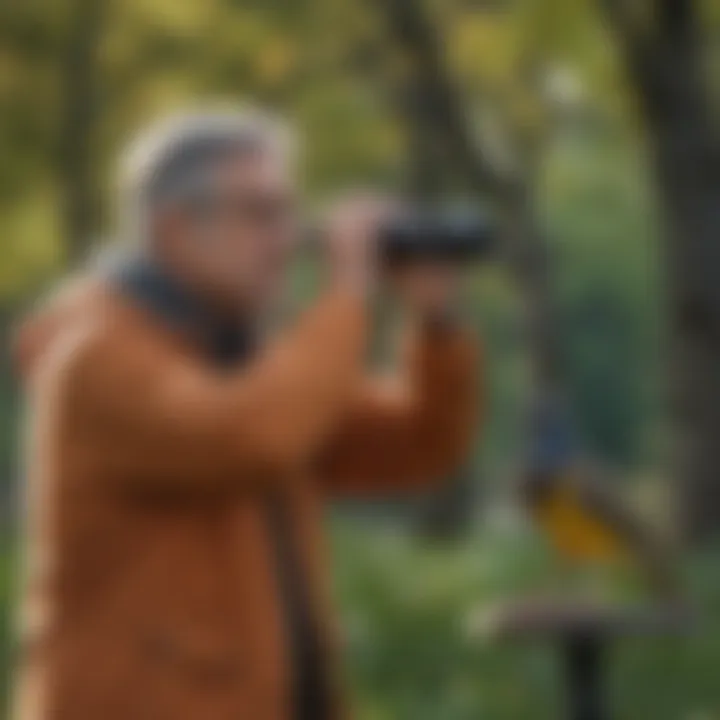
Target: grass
[(413, 655)]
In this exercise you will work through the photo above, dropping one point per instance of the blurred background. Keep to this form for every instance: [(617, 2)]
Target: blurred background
[(589, 129)]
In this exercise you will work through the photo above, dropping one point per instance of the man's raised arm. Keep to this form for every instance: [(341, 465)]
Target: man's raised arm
[(149, 416), (411, 432)]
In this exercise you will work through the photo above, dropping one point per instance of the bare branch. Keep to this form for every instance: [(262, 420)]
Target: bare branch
[(413, 31)]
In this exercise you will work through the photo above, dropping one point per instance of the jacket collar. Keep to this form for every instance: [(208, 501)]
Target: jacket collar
[(148, 285)]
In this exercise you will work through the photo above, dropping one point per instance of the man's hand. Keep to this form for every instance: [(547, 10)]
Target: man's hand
[(352, 232), (428, 291)]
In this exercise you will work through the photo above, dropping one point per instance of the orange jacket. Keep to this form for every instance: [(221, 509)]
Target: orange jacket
[(149, 592)]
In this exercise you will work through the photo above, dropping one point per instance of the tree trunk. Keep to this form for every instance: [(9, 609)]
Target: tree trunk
[(76, 164), (444, 124), (528, 258), (447, 513), (665, 66)]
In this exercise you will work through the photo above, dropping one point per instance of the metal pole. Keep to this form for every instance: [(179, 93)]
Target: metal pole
[(583, 658)]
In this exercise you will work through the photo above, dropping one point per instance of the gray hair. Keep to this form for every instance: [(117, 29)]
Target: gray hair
[(172, 160)]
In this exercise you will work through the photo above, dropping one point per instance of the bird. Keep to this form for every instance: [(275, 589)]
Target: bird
[(584, 517)]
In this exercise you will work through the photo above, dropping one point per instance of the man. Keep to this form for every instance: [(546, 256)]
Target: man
[(178, 465)]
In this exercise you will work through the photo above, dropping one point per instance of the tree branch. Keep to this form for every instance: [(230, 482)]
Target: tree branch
[(413, 31)]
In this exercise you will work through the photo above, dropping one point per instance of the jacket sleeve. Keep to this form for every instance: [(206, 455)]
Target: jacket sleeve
[(149, 416), (412, 432)]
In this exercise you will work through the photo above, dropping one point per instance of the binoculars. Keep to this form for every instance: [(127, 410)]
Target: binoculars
[(445, 235), (436, 234)]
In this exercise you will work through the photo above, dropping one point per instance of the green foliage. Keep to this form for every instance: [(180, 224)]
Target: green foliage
[(8, 592), (606, 274), (415, 652)]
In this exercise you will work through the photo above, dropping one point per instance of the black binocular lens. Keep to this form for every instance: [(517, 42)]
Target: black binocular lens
[(449, 235)]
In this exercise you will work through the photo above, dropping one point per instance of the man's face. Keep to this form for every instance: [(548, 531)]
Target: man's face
[(234, 241)]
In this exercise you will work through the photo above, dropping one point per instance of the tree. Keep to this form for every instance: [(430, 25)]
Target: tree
[(438, 118), (662, 53), (77, 166)]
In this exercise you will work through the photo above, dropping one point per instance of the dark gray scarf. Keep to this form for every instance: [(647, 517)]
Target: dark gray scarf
[(227, 344)]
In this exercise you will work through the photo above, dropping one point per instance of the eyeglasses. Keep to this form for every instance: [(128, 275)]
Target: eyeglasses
[(256, 209)]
